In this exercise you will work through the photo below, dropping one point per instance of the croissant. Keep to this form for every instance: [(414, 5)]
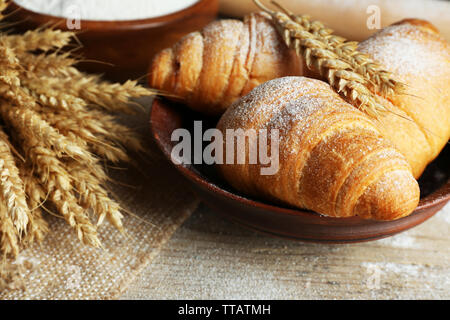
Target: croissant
[(332, 158), (419, 121), (214, 67)]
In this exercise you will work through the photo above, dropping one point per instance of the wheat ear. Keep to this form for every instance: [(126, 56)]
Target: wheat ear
[(11, 187), (381, 79), (110, 96), (40, 39), (42, 89), (66, 203), (9, 239), (8, 65), (320, 57), (38, 227), (9, 235), (31, 123), (55, 64), (57, 184), (106, 125), (88, 182), (82, 127)]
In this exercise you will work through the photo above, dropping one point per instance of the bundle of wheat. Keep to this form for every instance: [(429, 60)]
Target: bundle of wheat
[(57, 126)]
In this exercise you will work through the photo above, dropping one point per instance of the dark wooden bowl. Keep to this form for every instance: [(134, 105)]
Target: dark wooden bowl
[(128, 45), (287, 222)]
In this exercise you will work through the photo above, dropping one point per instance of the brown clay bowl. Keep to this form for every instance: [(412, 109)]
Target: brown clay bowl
[(287, 222), (127, 46)]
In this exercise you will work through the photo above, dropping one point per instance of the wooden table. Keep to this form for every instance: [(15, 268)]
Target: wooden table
[(211, 258)]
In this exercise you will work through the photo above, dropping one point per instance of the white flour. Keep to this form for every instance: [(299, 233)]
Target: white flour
[(103, 10)]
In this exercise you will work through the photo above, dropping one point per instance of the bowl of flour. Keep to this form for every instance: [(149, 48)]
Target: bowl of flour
[(121, 35)]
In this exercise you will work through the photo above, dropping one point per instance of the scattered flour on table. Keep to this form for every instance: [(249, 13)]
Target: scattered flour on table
[(402, 240), (398, 268)]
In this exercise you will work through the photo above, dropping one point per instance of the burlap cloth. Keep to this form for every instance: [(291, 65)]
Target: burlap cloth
[(62, 268)]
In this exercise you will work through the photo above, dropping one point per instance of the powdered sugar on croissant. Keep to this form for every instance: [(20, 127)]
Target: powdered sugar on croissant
[(415, 52), (228, 58), (332, 158)]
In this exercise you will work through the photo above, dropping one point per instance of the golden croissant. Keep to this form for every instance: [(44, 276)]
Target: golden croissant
[(332, 158), (417, 124), (228, 58)]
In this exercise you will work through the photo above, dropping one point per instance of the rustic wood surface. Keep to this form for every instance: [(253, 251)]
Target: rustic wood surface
[(211, 258)]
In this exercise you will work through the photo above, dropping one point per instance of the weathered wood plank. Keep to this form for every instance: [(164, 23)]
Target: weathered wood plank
[(211, 258)]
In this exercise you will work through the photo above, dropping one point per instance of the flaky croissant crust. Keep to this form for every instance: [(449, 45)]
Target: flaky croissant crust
[(332, 158), (214, 67)]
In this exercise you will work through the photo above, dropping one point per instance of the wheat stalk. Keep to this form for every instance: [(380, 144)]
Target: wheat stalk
[(321, 57), (54, 65), (37, 227), (47, 166), (113, 97), (42, 89), (57, 184), (67, 205), (87, 129), (59, 119), (12, 190), (381, 79), (90, 125), (9, 238), (8, 65), (31, 123), (40, 39), (106, 125), (88, 181)]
